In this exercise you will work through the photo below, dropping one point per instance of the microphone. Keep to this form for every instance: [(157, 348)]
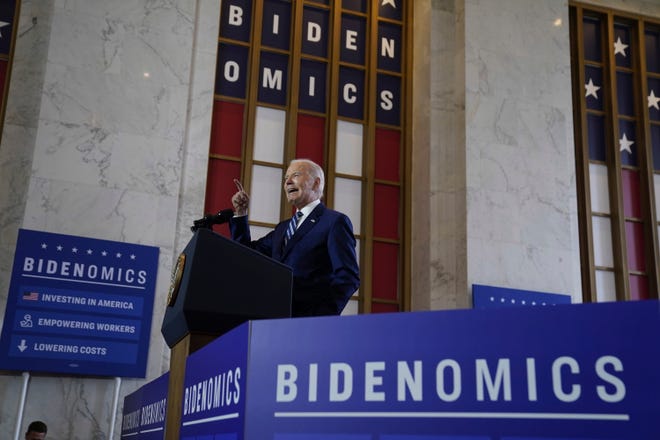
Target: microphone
[(209, 220)]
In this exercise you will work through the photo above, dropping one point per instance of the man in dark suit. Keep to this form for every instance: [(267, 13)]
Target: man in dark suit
[(321, 247)]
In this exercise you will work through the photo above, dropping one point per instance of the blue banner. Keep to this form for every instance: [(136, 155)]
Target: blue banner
[(231, 70), (143, 416), (353, 39), (79, 305), (315, 32), (312, 92), (578, 372), (214, 392), (273, 77), (391, 9), (567, 372), (389, 47), (235, 19), (388, 109), (276, 24), (351, 93)]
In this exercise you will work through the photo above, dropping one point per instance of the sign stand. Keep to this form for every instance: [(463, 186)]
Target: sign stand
[(21, 405)]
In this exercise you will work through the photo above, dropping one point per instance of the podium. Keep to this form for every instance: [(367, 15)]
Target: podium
[(217, 284)]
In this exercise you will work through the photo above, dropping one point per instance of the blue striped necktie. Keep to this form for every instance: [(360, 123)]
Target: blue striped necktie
[(291, 228)]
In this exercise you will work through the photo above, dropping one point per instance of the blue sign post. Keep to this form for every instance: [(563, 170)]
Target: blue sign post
[(568, 372), (79, 305)]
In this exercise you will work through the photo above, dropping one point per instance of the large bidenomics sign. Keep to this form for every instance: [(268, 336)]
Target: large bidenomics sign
[(561, 372), (79, 305)]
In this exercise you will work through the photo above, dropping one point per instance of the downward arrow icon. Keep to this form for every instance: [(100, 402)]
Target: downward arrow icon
[(22, 347)]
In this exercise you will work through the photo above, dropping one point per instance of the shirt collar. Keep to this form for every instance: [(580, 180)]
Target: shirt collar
[(307, 209)]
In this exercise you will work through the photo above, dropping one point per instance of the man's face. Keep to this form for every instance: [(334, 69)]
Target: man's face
[(299, 185), (35, 435)]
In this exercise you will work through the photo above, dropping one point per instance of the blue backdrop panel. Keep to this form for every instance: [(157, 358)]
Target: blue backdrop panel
[(566, 372), (79, 305), (144, 411), (214, 392)]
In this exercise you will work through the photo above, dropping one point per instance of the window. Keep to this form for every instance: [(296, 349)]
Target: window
[(324, 80), (8, 20), (616, 89)]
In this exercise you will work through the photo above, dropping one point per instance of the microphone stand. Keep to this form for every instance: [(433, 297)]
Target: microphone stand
[(209, 220)]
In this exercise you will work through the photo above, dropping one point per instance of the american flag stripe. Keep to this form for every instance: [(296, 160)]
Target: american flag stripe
[(31, 296)]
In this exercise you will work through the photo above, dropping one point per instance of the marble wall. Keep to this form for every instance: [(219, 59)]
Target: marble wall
[(520, 173), (106, 136), (503, 204)]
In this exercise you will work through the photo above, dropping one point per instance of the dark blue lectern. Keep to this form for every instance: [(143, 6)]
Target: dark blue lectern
[(217, 284)]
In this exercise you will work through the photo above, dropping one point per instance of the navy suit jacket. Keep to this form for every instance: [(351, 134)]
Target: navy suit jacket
[(321, 254)]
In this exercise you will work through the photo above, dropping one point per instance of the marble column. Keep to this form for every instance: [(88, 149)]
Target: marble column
[(502, 188), (106, 136)]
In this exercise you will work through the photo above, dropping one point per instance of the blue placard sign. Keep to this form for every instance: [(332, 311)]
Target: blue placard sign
[(79, 305), (143, 415), (215, 394), (485, 297)]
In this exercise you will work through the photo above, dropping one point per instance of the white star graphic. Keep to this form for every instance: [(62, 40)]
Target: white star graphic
[(389, 2), (132, 256), (653, 100), (3, 24), (591, 89), (89, 252), (104, 253), (59, 248), (74, 250), (619, 47), (118, 255), (44, 245), (624, 144)]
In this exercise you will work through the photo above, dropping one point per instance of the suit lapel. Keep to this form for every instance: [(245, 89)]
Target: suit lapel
[(309, 223), (278, 240)]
